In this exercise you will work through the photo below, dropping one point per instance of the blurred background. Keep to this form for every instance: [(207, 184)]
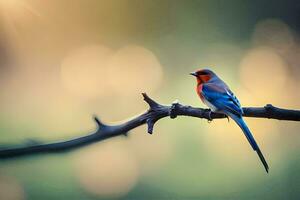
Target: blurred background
[(63, 61)]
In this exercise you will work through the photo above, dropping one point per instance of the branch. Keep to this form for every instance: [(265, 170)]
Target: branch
[(155, 112)]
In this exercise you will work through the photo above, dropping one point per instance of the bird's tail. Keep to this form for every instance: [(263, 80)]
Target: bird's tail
[(239, 120)]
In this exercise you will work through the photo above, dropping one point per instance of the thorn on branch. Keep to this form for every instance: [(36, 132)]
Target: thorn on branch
[(99, 123), (150, 101), (150, 123)]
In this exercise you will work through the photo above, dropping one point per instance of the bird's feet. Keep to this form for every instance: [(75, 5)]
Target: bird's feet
[(227, 118)]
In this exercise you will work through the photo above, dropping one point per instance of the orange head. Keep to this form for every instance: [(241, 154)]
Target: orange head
[(203, 75)]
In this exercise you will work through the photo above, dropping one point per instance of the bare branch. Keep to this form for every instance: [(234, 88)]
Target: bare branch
[(150, 117)]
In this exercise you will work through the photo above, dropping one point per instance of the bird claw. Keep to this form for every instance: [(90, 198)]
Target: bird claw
[(227, 118)]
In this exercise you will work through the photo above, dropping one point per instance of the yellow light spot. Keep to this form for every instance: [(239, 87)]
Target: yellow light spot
[(97, 71), (84, 71), (151, 152), (107, 170), (9, 3), (134, 69), (229, 143), (263, 73)]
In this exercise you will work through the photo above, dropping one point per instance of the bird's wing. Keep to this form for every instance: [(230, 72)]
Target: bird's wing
[(222, 98), (233, 98)]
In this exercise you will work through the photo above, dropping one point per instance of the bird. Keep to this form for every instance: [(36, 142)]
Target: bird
[(215, 93)]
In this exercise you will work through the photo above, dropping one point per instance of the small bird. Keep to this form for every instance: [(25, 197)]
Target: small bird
[(218, 97)]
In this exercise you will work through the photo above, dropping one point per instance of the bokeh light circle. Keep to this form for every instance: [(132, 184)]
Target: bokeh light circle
[(84, 71), (273, 33), (95, 71), (262, 72), (152, 153), (107, 170), (134, 69)]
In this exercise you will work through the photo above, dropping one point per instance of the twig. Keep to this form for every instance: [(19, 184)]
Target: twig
[(155, 112)]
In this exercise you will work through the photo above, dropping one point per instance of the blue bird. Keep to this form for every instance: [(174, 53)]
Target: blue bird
[(218, 97)]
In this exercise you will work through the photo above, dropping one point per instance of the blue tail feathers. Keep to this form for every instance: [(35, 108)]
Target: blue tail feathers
[(239, 120)]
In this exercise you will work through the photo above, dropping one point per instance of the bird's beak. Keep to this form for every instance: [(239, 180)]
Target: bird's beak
[(193, 74)]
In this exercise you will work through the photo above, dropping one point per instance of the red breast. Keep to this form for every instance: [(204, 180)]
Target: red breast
[(199, 91)]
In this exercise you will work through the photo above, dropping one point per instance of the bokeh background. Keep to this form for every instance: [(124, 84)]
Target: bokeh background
[(64, 60)]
